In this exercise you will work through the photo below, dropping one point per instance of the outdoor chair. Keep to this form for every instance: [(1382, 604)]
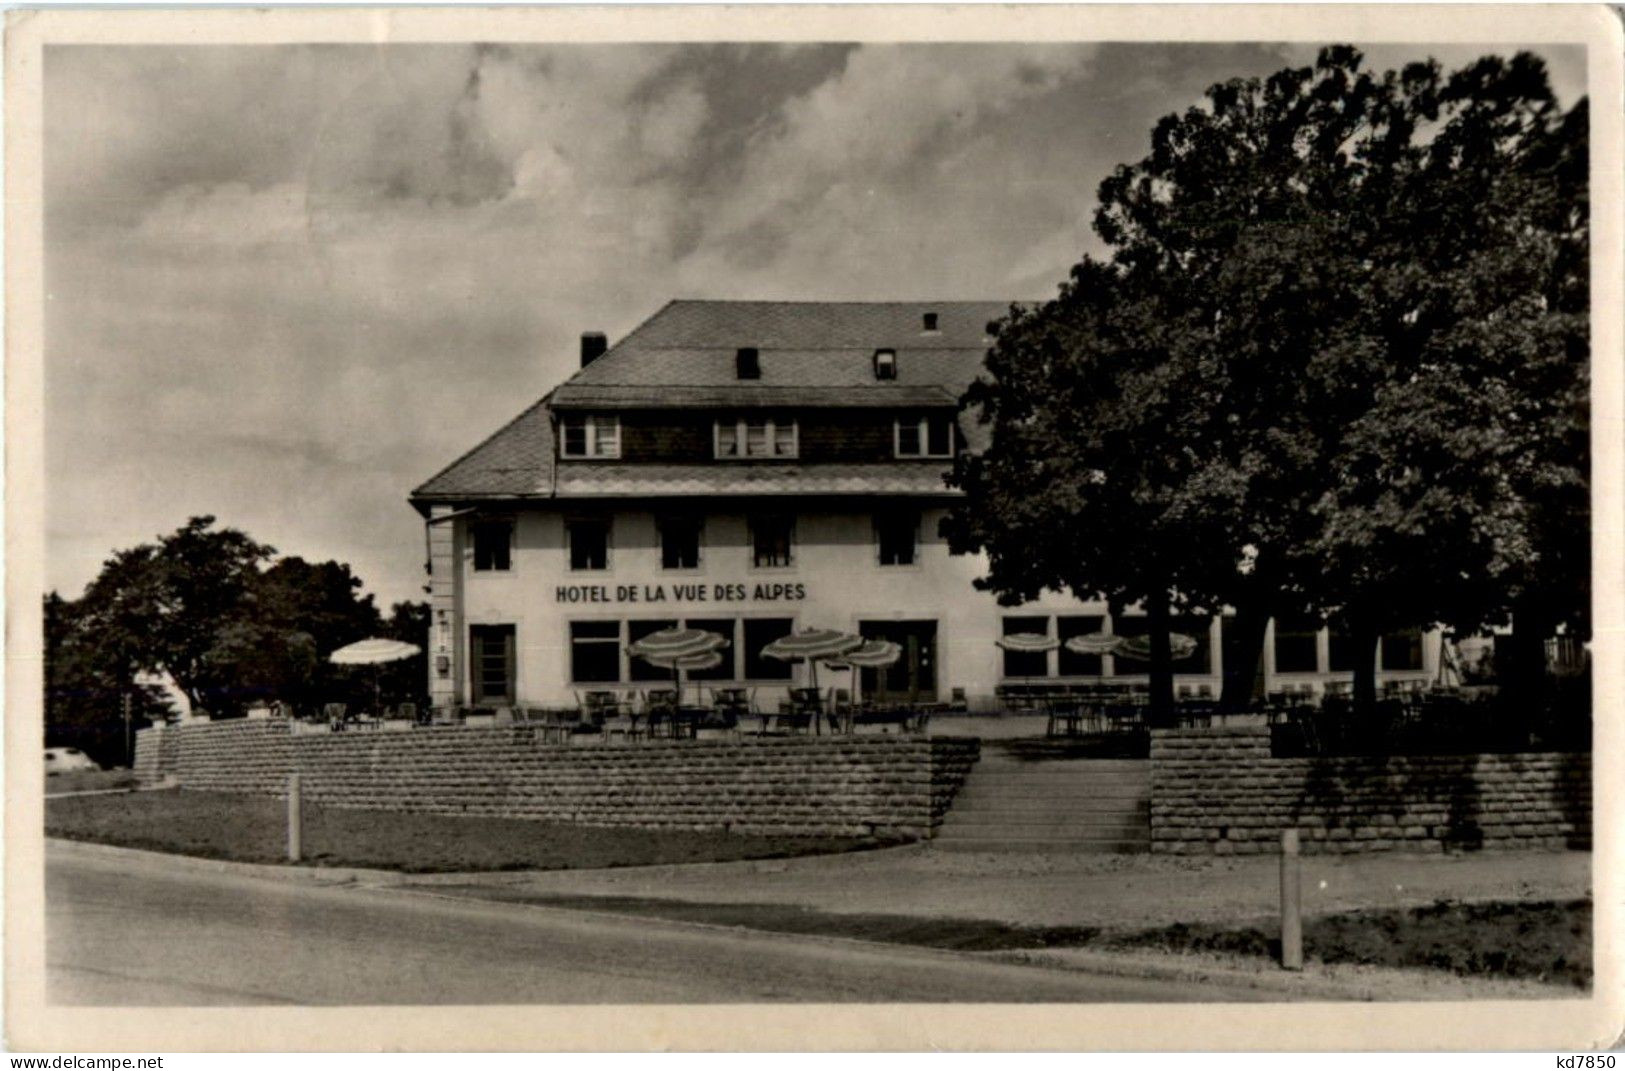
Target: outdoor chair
[(840, 711), (800, 710), (334, 713)]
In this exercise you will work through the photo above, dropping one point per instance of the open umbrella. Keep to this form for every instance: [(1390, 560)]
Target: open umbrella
[(1139, 647), (812, 646), (678, 663), (373, 652), (1093, 643), (668, 648), (1028, 643), (874, 654)]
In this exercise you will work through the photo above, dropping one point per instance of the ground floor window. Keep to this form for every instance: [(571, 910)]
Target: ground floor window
[(1297, 645), (637, 669), (595, 652), (491, 662), (724, 627), (1071, 663), (759, 632), (1026, 663), (1402, 651)]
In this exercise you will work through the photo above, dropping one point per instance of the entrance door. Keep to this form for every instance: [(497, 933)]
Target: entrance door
[(913, 677), (491, 665)]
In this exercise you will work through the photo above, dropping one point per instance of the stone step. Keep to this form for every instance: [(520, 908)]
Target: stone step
[(1101, 845), (1027, 787), (1081, 808), (1125, 828)]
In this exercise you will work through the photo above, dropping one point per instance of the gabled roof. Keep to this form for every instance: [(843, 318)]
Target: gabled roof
[(812, 354), (827, 345)]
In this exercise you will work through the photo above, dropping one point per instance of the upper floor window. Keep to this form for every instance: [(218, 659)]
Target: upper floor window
[(750, 437), (885, 364), (897, 534), (590, 436), (493, 546), (926, 436), (679, 542), (589, 544), (771, 537)]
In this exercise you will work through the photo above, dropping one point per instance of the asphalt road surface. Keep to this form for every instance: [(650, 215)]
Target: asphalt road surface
[(122, 932)]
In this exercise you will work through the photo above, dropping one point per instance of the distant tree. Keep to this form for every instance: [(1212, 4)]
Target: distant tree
[(406, 681), (204, 606), (85, 691), (1335, 363)]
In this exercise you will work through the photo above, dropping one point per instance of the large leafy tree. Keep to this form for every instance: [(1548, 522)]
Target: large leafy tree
[(1335, 362), (209, 607)]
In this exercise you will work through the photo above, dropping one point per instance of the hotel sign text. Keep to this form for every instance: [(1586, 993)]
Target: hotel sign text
[(644, 593)]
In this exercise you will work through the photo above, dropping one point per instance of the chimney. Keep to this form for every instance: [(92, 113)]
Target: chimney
[(747, 363), (593, 345)]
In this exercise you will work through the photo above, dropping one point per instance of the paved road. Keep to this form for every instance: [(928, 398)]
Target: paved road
[(148, 933)]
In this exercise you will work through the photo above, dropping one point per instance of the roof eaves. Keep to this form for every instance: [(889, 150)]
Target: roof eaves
[(419, 491)]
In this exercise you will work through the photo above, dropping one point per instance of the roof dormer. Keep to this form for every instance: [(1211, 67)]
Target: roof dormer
[(885, 364)]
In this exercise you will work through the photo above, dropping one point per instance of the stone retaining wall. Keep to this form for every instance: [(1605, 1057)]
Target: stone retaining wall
[(801, 786), (1220, 791)]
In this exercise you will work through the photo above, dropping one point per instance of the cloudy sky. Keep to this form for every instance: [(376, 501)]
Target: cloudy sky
[(288, 284)]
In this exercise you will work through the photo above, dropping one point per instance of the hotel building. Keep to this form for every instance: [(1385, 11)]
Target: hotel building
[(754, 468)]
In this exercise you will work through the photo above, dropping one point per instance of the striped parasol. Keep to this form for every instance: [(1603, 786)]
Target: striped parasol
[(1028, 642), (1093, 643), (675, 642), (1139, 647), (812, 646), (874, 654), (678, 649)]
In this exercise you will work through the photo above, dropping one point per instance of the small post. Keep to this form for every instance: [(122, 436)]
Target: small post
[(295, 849), (129, 746), (1291, 903)]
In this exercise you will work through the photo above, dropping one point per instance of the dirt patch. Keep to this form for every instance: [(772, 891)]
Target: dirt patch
[(254, 829)]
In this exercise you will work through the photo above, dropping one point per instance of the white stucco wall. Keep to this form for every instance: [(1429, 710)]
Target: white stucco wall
[(836, 581)]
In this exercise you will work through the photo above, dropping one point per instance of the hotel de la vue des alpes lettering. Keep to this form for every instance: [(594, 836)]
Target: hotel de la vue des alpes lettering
[(696, 592)]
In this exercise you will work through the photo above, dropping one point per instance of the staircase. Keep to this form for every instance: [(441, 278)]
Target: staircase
[(1084, 805)]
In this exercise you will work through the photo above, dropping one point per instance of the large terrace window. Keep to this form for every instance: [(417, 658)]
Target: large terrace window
[(595, 652)]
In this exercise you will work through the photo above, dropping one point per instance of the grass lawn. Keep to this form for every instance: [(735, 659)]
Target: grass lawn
[(254, 829), (1547, 942), (89, 781)]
